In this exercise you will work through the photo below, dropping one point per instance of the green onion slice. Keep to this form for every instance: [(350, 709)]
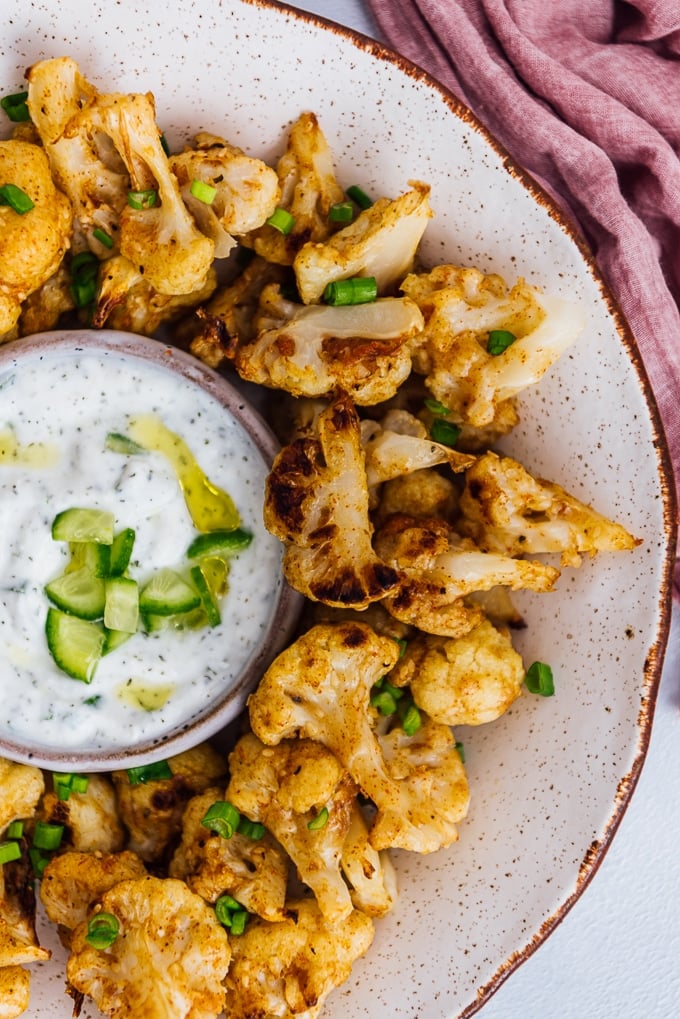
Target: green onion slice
[(103, 237), (359, 196), (409, 717), (341, 212), (67, 783), (203, 192), (436, 407), (102, 930), (231, 914), (47, 836), (16, 107), (142, 199), (222, 818), (239, 920), (461, 750), (320, 821), (17, 199), (384, 702), (38, 861), (9, 851), (499, 340), (155, 772), (355, 290), (445, 432), (15, 830), (251, 829), (164, 145), (281, 220), (539, 679)]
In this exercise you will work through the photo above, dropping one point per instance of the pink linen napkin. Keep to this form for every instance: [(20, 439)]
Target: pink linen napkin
[(585, 94)]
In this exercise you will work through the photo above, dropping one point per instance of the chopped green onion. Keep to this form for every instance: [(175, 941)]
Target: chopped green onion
[(84, 266), (539, 679), (17, 199), (15, 830), (359, 196), (16, 107), (384, 702), (251, 829), (9, 851), (222, 818), (239, 920), (499, 340), (445, 432), (409, 717), (461, 750), (355, 290), (38, 861), (437, 407), (142, 199), (149, 773), (79, 783), (231, 914), (320, 821), (281, 220), (65, 784), (83, 294), (203, 192), (403, 644), (47, 836), (341, 212), (103, 237), (164, 145), (102, 930)]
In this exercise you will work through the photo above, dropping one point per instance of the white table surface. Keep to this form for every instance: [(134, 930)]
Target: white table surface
[(617, 952)]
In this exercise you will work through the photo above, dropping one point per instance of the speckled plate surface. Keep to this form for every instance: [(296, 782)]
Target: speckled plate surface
[(550, 780)]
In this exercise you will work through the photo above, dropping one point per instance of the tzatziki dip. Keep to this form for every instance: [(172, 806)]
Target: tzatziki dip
[(58, 408)]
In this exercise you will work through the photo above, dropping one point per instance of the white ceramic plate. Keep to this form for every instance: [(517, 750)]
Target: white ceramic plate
[(550, 780)]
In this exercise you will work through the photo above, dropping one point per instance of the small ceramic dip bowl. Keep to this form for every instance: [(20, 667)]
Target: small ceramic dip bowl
[(141, 596)]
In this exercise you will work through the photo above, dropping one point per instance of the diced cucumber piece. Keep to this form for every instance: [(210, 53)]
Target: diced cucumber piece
[(225, 543), (113, 639), (76, 645), (208, 601), (83, 525), (121, 552), (121, 611), (167, 593), (90, 555), (196, 619), (79, 593), (215, 569), (116, 442)]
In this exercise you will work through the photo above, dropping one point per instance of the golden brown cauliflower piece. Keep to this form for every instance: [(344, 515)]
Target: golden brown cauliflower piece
[(316, 502), (169, 958), (424, 493), (14, 991), (22, 786), (369, 873), (18, 939), (466, 680), (252, 871), (152, 811), (73, 882), (90, 819), (504, 509), (286, 788), (288, 969), (381, 242), (311, 351), (308, 189), (462, 306), (32, 244), (439, 570)]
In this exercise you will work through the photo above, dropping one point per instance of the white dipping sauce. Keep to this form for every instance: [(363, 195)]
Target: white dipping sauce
[(72, 401)]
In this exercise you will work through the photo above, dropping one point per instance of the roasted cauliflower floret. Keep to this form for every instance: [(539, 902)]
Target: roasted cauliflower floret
[(18, 939), (90, 819), (169, 959), (310, 351), (424, 493), (73, 882), (42, 309), (369, 873), (308, 190), (15, 986), (320, 688), (22, 786), (461, 308), (399, 444), (288, 969), (381, 242), (466, 680), (316, 502), (439, 569), (504, 509), (252, 871), (32, 243), (246, 190), (152, 811), (289, 787)]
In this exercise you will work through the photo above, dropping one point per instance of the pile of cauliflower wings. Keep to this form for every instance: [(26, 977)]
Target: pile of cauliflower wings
[(248, 878)]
